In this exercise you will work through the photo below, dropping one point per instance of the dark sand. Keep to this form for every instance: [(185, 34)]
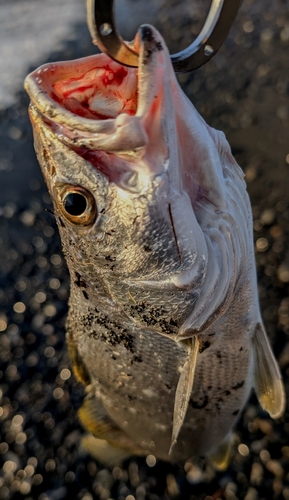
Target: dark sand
[(243, 91)]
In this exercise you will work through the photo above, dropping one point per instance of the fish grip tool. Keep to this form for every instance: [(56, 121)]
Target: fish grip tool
[(102, 27)]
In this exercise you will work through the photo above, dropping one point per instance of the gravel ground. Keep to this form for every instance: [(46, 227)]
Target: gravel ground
[(244, 91)]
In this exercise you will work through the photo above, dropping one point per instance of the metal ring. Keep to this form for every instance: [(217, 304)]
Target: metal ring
[(102, 27)]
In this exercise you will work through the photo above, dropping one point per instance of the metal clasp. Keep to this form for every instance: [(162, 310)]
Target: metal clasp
[(220, 18)]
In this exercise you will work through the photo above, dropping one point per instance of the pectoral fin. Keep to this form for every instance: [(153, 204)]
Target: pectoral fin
[(184, 389), (267, 378)]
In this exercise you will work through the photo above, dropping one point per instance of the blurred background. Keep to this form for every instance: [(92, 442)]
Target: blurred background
[(244, 91)]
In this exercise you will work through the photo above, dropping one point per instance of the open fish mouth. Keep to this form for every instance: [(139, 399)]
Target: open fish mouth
[(94, 103), (94, 88)]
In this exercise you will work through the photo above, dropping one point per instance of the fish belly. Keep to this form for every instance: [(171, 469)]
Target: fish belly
[(134, 375)]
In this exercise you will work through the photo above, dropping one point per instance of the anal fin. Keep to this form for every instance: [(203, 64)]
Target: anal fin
[(114, 441), (267, 378), (220, 458), (103, 451), (184, 388)]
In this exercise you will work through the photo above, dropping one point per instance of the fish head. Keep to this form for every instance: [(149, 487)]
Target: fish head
[(135, 174)]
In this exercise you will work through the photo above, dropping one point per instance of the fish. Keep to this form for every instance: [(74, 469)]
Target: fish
[(164, 327)]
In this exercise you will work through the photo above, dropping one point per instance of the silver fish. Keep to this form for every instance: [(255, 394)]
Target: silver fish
[(164, 327)]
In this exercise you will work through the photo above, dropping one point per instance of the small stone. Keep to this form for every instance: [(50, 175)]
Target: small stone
[(267, 35), (284, 35), (268, 216), (262, 244), (257, 472), (283, 272), (275, 467), (243, 450), (252, 494)]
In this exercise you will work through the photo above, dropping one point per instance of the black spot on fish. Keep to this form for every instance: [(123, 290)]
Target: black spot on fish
[(219, 355), (136, 358), (111, 333), (241, 349), (85, 294), (79, 281), (109, 258), (237, 386), (199, 405), (147, 34), (113, 338), (154, 316), (148, 37), (235, 412), (130, 398), (147, 248), (204, 346)]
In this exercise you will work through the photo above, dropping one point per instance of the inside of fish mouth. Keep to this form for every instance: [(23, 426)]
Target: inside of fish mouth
[(98, 92)]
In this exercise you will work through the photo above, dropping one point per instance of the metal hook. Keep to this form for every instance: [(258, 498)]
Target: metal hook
[(102, 27)]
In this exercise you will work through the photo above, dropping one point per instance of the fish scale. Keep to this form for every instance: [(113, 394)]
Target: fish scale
[(164, 327)]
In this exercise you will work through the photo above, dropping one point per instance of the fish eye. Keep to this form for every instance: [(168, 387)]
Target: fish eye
[(76, 204)]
